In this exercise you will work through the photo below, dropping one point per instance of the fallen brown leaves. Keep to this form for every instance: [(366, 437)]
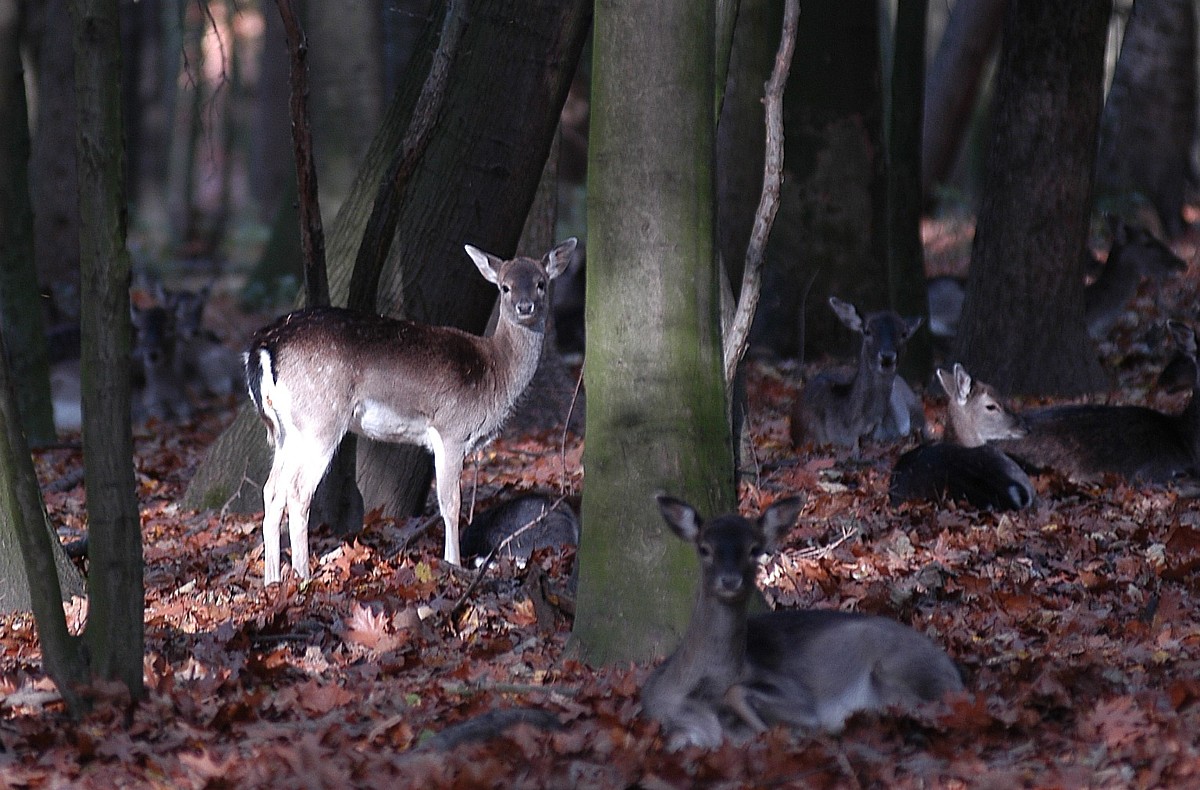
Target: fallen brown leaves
[(1075, 622)]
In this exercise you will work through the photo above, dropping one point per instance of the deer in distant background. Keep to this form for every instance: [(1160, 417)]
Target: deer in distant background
[(317, 373), (202, 359), (1135, 442), (841, 408), (964, 466), (810, 669), (1135, 255), (155, 349)]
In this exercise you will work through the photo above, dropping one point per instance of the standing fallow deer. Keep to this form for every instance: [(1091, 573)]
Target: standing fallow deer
[(317, 373)]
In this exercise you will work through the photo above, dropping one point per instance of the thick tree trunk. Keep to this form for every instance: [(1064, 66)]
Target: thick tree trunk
[(656, 397), (23, 322), (1149, 121), (1022, 328), (114, 632), (474, 185), (829, 236)]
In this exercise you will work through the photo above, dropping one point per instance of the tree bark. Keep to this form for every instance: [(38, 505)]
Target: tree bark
[(1022, 328), (54, 177), (23, 321), (906, 254), (830, 233), (474, 185), (953, 83), (1149, 123), (656, 396), (114, 633)]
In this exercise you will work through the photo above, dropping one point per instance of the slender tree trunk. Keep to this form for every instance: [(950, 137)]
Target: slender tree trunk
[(1022, 328), (53, 177), (656, 395), (114, 632), (953, 83), (906, 255), (23, 321)]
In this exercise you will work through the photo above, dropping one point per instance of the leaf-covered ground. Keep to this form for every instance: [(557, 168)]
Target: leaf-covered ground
[(1076, 624)]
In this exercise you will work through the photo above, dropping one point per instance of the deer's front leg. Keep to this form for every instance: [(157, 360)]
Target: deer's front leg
[(447, 467)]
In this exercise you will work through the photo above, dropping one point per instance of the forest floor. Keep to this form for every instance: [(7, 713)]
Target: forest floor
[(1076, 624)]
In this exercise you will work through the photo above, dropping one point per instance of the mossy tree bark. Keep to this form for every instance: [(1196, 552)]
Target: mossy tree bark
[(656, 416)]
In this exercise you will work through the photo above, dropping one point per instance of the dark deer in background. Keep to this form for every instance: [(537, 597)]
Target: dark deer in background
[(155, 346), (203, 360), (1134, 442), (317, 373), (810, 669), (841, 408), (1135, 255), (963, 466)]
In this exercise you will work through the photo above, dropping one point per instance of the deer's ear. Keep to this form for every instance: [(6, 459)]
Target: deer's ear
[(557, 260), (488, 264), (681, 517), (847, 314), (778, 519)]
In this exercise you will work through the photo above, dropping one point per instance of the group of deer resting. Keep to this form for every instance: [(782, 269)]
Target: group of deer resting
[(317, 373)]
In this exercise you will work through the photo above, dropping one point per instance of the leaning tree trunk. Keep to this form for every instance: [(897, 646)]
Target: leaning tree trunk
[(1022, 328), (1149, 122), (474, 185), (24, 324), (656, 397)]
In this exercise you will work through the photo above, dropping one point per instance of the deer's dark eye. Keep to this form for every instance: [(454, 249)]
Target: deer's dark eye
[(991, 407), (705, 551), (756, 550), (541, 286), (505, 288)]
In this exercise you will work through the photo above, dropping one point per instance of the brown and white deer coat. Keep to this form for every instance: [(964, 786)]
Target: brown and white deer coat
[(320, 372)]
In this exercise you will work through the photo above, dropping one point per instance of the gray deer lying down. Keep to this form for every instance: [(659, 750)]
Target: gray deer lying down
[(869, 402), (964, 466), (317, 373), (1137, 443), (810, 669)]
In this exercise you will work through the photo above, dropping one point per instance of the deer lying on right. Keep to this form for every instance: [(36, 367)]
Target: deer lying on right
[(1135, 255), (964, 466), (872, 401), (810, 669), (1138, 443)]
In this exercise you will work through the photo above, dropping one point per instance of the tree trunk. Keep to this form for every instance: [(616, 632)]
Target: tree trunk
[(23, 322), (829, 236), (346, 68), (114, 632), (474, 185), (739, 133), (953, 83), (1022, 328), (656, 397), (906, 255), (36, 574), (53, 177), (1149, 121)]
